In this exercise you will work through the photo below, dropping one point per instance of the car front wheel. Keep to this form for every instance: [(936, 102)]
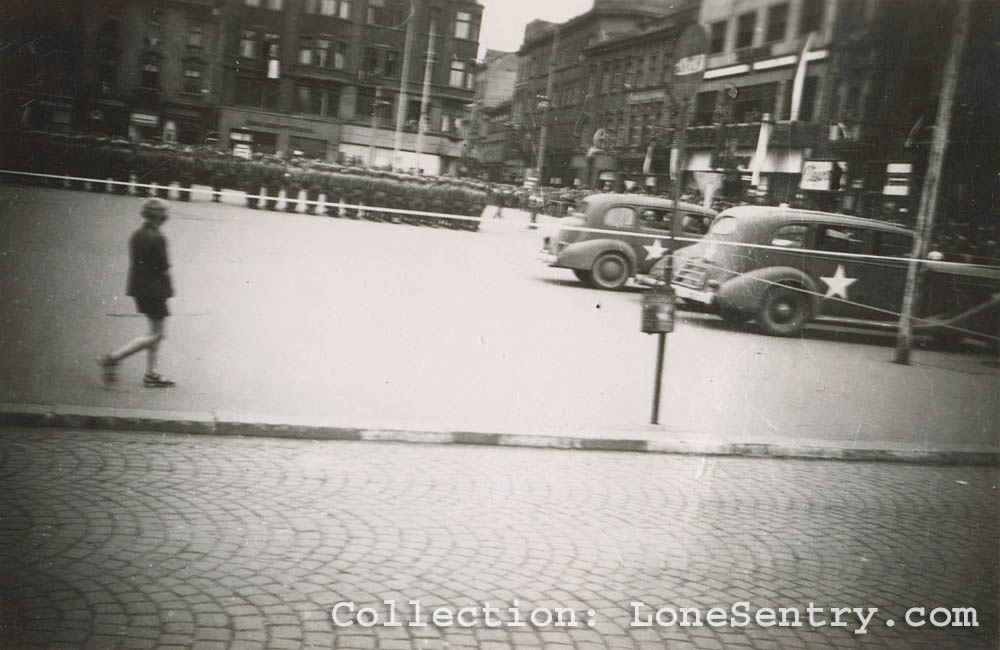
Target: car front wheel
[(783, 312), (583, 275), (610, 271)]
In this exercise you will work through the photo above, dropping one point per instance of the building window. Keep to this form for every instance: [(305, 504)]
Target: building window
[(272, 47), (194, 36), (807, 103), (812, 16), (605, 79), (275, 5), (463, 24), (753, 101), (371, 60), (390, 63), (107, 73), (704, 107), (384, 12), (457, 77), (249, 47), (745, 28), (306, 48), (777, 22), (251, 3), (339, 55), (616, 81), (717, 37), (308, 100), (192, 81), (150, 75)]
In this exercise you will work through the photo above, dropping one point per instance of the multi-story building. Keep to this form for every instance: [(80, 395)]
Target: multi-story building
[(628, 106), (563, 46), (40, 68), (323, 77), (319, 77), (150, 69), (764, 96), (494, 87), (889, 58)]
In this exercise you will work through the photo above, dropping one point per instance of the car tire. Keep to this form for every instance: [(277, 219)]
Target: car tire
[(610, 271), (784, 311), (583, 275)]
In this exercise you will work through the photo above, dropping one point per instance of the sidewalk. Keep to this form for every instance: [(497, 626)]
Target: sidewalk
[(482, 346)]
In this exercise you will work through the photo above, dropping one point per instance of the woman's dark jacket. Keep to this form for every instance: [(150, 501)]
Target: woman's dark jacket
[(148, 265)]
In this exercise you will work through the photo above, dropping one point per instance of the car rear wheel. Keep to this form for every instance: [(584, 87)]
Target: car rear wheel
[(583, 275), (783, 312), (610, 271)]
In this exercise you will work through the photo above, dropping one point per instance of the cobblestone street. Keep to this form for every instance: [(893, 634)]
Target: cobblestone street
[(157, 541)]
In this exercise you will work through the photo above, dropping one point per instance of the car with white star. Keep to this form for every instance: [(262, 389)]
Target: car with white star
[(609, 238), (784, 267)]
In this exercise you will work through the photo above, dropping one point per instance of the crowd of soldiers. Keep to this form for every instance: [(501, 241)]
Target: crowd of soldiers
[(264, 180)]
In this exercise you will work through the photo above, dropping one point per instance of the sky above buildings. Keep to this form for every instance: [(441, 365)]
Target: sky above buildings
[(504, 20)]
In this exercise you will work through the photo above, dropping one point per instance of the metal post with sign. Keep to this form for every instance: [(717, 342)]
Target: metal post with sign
[(659, 304)]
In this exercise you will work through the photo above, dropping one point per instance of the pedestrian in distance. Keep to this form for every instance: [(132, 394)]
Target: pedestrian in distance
[(149, 284)]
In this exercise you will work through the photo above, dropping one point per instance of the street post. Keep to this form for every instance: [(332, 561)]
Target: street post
[(658, 305)]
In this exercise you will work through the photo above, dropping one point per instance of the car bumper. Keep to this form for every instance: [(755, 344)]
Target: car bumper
[(547, 257), (687, 293)]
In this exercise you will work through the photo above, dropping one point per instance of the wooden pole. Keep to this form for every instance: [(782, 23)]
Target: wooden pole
[(927, 210)]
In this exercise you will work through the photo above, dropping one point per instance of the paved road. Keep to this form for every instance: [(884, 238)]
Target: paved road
[(118, 540), (377, 325)]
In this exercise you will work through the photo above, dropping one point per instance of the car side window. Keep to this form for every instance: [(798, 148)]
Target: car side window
[(657, 219), (840, 239), (790, 236), (696, 224), (893, 244), (619, 217)]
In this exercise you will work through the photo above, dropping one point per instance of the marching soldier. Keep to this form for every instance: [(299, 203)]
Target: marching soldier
[(273, 174), (253, 178), (335, 185), (183, 171), (355, 194), (312, 181), (292, 183)]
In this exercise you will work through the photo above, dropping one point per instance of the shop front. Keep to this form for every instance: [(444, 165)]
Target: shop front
[(244, 132)]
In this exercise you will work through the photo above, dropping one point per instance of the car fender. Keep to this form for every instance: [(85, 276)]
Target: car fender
[(746, 291), (581, 255)]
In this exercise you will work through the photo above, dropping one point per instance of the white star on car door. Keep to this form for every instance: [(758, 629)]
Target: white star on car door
[(836, 285), (655, 251)]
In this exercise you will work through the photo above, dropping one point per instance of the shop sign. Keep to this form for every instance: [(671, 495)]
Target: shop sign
[(897, 179), (145, 119), (690, 64), (647, 96), (821, 175)]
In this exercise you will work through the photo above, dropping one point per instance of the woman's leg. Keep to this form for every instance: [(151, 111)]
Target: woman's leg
[(141, 342), (156, 333)]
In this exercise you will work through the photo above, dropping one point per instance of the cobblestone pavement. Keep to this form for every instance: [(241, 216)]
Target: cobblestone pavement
[(118, 540)]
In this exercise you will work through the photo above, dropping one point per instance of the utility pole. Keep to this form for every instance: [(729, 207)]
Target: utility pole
[(927, 210), (425, 95), (546, 111), (397, 141)]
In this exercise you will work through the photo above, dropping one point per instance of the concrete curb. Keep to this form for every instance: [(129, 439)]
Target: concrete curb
[(113, 419)]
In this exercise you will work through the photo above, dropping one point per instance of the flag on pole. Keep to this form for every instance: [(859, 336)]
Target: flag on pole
[(800, 79)]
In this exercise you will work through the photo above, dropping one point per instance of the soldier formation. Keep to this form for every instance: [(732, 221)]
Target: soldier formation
[(124, 167)]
